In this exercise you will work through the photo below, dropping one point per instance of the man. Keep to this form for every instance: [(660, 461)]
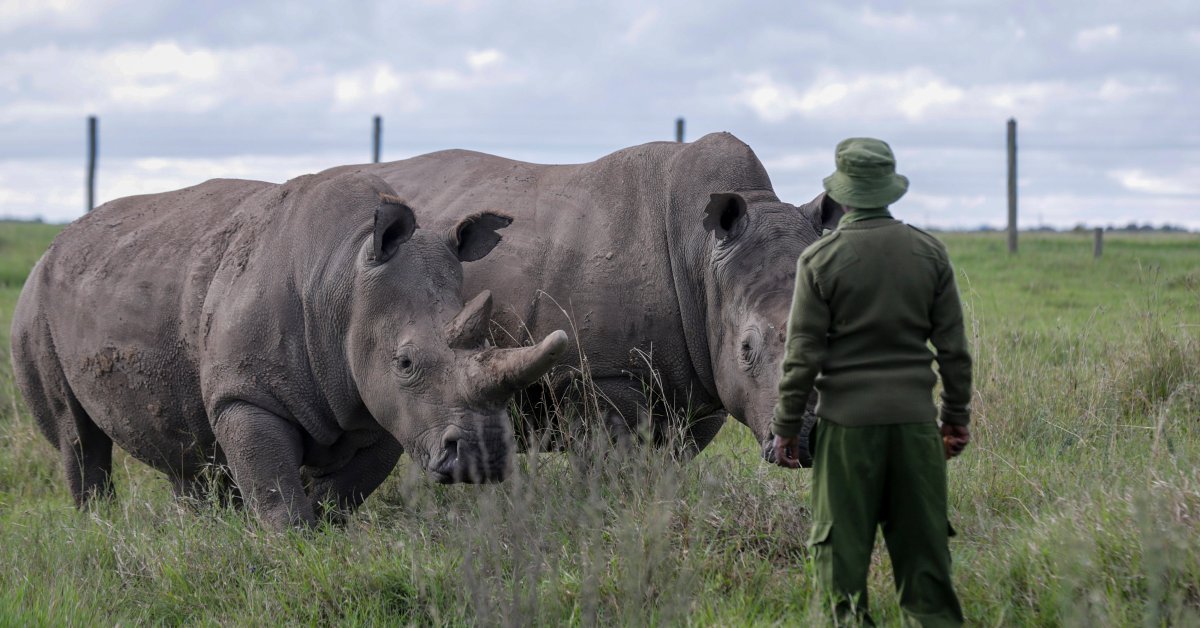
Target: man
[(869, 297)]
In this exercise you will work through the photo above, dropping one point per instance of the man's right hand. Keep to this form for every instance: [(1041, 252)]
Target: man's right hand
[(787, 451), (955, 439)]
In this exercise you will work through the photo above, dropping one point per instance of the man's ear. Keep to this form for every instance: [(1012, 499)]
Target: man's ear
[(394, 225), (475, 236), (725, 215), (831, 213)]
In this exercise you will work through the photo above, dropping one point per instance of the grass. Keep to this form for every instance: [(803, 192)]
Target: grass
[(1078, 502)]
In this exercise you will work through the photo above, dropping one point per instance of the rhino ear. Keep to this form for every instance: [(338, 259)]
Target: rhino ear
[(725, 215), (831, 213), (394, 225), (476, 235)]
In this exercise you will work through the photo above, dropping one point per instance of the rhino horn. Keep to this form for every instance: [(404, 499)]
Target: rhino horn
[(468, 328), (509, 370)]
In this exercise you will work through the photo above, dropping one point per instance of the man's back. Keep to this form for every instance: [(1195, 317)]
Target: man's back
[(889, 289)]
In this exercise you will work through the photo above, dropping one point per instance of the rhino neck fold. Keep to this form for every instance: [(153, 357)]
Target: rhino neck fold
[(688, 278), (716, 163), (324, 276)]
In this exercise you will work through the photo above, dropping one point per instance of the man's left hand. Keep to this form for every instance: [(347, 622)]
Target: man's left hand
[(787, 451)]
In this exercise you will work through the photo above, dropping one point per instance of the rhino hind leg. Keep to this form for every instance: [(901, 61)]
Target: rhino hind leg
[(85, 449), (87, 457)]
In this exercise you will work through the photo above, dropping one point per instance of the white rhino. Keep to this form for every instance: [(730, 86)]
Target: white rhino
[(304, 334)]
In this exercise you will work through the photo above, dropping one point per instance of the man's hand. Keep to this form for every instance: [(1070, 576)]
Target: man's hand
[(787, 451), (955, 439)]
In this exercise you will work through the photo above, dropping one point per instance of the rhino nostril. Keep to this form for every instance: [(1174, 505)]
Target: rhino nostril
[(450, 442), (452, 435)]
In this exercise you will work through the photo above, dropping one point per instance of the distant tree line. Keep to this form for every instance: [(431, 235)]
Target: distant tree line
[(1132, 227)]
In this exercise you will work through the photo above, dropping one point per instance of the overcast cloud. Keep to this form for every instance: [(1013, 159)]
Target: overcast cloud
[(1104, 93)]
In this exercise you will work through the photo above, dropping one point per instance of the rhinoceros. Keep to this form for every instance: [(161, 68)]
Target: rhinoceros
[(304, 334), (674, 262)]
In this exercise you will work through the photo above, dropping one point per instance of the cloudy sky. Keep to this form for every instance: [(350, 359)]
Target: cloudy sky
[(1105, 93)]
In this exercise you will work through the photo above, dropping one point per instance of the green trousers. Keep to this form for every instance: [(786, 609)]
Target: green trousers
[(889, 475)]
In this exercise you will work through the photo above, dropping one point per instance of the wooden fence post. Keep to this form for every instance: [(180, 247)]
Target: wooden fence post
[(377, 136), (91, 164), (1012, 185), (1097, 243), (678, 129)]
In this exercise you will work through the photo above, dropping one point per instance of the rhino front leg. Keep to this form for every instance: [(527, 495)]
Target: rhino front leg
[(630, 415), (264, 453), (623, 414), (347, 487), (699, 433)]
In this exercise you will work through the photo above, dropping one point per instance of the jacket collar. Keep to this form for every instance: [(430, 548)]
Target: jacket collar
[(859, 215), (863, 225)]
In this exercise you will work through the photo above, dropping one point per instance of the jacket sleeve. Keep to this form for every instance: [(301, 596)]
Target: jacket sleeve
[(807, 340), (950, 341)]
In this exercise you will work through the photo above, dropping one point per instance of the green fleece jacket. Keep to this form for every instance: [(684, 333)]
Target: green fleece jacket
[(869, 299)]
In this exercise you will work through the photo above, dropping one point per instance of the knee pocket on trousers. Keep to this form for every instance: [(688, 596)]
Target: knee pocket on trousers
[(821, 533)]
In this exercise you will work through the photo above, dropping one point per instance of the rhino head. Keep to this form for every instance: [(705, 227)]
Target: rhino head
[(418, 355), (748, 272)]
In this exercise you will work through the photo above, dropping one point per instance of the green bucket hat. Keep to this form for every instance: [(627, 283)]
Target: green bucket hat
[(866, 174)]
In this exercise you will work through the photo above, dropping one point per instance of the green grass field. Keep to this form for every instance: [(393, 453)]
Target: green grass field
[(1078, 502)]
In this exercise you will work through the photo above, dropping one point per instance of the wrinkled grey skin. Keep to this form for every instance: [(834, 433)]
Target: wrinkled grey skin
[(305, 334), (681, 251)]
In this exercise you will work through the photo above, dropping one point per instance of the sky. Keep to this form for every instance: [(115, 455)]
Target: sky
[(1104, 93)]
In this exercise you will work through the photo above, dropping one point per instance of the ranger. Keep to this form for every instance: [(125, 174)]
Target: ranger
[(869, 298)]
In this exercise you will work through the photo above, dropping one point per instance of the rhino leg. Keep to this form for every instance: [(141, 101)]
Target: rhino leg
[(622, 408), (630, 417), (87, 457), (86, 450), (264, 452), (699, 433), (345, 488)]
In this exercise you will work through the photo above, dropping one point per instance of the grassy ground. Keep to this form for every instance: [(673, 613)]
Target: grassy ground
[(1078, 503)]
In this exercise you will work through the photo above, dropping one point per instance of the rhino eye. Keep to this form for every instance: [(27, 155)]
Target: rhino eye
[(748, 348), (405, 362)]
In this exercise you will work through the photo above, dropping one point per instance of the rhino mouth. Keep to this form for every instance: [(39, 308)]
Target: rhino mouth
[(443, 469), (471, 462), (805, 454)]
